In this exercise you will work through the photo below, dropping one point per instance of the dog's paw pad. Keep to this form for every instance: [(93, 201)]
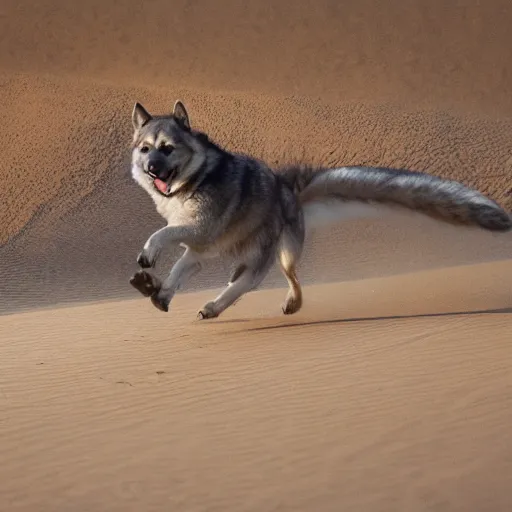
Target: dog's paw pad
[(145, 283)]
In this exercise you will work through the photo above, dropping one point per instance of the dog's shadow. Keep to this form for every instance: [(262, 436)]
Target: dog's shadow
[(498, 311)]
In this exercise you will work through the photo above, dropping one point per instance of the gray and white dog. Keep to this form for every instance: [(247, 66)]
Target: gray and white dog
[(218, 203)]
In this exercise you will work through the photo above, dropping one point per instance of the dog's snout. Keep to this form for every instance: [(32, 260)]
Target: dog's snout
[(155, 167)]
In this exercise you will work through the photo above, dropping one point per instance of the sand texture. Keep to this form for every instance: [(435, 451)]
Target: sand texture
[(375, 397), (391, 389)]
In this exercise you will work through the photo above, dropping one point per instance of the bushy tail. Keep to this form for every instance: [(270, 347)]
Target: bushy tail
[(446, 200)]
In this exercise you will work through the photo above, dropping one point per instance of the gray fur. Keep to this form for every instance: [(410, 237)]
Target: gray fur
[(218, 203), (447, 200)]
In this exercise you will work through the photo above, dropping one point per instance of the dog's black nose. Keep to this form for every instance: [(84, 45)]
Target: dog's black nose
[(155, 167)]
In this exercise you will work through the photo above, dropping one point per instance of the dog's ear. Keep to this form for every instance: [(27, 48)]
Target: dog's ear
[(180, 114), (140, 116)]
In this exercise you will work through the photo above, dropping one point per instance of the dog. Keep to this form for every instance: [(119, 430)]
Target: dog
[(222, 204)]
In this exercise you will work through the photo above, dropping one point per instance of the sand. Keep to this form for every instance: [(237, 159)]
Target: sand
[(390, 390), (374, 397)]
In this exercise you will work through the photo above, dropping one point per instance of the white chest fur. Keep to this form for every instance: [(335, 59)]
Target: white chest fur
[(171, 209)]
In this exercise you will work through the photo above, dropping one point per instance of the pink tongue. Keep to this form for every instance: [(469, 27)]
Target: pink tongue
[(160, 185)]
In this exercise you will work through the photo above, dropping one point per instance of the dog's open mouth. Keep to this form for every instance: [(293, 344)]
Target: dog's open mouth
[(162, 186)]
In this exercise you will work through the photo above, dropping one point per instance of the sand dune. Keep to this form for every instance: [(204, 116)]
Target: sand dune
[(390, 390), (431, 53), (73, 218)]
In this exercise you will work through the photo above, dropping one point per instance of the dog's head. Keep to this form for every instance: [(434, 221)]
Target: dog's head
[(166, 152)]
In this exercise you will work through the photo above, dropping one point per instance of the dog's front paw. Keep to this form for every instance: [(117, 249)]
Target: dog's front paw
[(160, 302), (145, 283), (145, 260), (207, 312)]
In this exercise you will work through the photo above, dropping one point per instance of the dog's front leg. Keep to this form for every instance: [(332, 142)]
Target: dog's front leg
[(170, 235), (186, 267), (160, 293)]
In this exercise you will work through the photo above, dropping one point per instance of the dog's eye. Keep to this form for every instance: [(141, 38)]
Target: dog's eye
[(144, 149), (166, 149)]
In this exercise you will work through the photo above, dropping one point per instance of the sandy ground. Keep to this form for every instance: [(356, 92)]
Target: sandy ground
[(382, 394), (391, 389)]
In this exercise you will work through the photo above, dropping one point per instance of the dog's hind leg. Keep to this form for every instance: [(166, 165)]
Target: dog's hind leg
[(245, 278), (289, 252)]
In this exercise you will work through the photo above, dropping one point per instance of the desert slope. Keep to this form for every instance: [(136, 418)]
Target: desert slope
[(421, 86), (73, 220), (446, 55)]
